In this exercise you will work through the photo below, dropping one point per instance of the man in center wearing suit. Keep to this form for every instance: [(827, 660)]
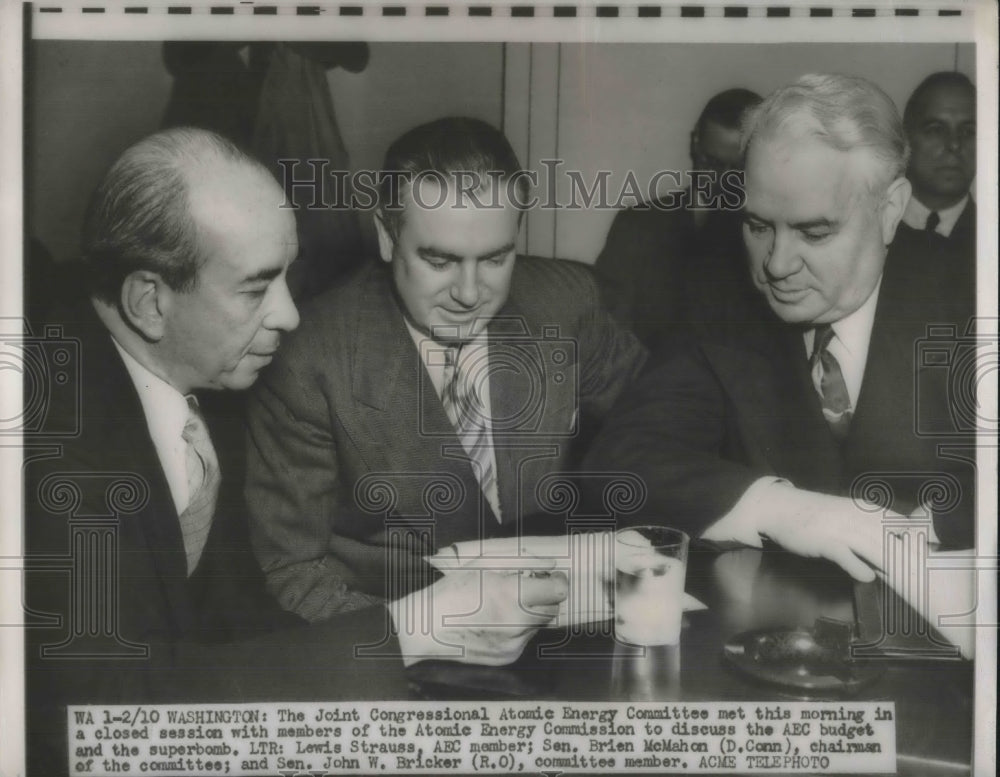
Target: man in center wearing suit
[(437, 387), (813, 425)]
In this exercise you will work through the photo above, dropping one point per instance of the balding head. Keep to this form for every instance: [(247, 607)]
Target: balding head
[(188, 246), (140, 215)]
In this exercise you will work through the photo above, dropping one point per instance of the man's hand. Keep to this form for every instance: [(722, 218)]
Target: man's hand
[(818, 525), (477, 616)]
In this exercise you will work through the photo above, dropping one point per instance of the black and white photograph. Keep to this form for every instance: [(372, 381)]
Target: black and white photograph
[(450, 388)]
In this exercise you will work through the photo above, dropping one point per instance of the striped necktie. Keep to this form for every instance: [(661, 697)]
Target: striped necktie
[(202, 468), (829, 382), (467, 413)]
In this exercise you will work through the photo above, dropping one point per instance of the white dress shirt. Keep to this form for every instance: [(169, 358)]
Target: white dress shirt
[(916, 214), (475, 351), (852, 336), (849, 346), (166, 411)]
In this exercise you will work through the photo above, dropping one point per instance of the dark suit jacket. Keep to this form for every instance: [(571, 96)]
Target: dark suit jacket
[(957, 251), (347, 405), (152, 634), (963, 234), (737, 403), (659, 271)]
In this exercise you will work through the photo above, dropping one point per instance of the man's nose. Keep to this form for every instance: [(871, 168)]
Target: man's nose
[(466, 287), (954, 141), (783, 259), (283, 314)]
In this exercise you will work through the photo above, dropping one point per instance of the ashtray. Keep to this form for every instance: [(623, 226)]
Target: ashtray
[(799, 659)]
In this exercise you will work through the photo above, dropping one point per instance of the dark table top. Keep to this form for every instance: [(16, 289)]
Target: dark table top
[(745, 590)]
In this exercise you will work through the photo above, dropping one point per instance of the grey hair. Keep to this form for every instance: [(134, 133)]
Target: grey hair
[(139, 218), (844, 112)]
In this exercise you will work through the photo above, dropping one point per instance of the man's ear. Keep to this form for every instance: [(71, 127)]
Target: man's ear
[(385, 242), (893, 206), (144, 300)]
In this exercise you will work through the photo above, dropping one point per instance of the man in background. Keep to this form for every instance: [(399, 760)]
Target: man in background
[(940, 122), (136, 489), (940, 219), (668, 261), (438, 388), (791, 428)]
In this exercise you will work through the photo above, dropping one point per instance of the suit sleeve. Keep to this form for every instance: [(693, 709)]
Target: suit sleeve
[(295, 496), (672, 430), (299, 503)]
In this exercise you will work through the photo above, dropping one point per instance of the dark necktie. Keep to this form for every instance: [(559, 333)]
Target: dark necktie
[(933, 219), (829, 382), (467, 413), (202, 468)]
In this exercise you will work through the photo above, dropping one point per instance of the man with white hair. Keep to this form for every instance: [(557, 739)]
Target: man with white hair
[(813, 425)]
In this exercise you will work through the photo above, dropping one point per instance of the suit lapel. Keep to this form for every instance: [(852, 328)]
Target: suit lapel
[(768, 375), (523, 402), (400, 409), (126, 446), (820, 461), (884, 410)]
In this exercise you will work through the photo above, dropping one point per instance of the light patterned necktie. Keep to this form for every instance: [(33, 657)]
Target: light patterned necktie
[(829, 382), (202, 468), (467, 413)]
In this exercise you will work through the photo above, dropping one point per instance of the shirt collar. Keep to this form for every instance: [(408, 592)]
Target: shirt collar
[(166, 411), (916, 214), (432, 352), (855, 330)]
